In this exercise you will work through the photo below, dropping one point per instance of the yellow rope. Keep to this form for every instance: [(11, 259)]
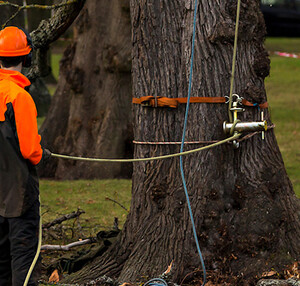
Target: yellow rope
[(234, 58), (38, 249), (147, 159)]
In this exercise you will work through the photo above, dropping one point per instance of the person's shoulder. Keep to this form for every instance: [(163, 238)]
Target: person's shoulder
[(22, 95), (9, 89), (15, 92)]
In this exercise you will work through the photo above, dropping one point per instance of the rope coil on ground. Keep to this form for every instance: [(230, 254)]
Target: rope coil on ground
[(156, 282)]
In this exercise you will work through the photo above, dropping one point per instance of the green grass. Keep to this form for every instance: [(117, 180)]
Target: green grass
[(283, 91), (289, 45), (63, 197), (40, 121), (55, 59)]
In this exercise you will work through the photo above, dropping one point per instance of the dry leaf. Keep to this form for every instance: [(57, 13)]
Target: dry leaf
[(269, 274), (294, 271), (126, 284), (295, 267), (169, 268), (54, 276)]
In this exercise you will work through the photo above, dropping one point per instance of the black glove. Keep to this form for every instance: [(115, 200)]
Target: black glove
[(46, 155)]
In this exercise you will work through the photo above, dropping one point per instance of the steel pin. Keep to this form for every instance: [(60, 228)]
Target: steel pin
[(263, 132)]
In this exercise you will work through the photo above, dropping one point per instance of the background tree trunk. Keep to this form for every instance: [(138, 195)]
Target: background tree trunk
[(90, 112), (6, 12), (35, 16), (38, 89), (246, 213)]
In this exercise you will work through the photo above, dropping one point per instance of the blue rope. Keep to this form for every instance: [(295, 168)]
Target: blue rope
[(156, 282), (159, 281), (182, 145)]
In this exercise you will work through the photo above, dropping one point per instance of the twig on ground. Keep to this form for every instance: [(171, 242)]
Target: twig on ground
[(63, 218), (68, 246)]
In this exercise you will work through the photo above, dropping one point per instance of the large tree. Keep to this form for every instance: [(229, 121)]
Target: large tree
[(90, 113), (246, 213)]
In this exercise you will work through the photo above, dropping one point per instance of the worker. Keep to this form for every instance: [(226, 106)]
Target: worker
[(20, 152)]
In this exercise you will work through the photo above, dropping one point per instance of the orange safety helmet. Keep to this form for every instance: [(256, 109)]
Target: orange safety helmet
[(13, 42)]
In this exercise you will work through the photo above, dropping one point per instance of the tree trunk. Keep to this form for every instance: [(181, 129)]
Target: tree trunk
[(246, 213), (38, 88), (34, 18), (90, 111)]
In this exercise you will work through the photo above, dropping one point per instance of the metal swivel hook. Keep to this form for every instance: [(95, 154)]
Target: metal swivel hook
[(239, 127)]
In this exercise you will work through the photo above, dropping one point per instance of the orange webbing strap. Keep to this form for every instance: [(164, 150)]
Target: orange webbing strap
[(262, 105), (161, 101)]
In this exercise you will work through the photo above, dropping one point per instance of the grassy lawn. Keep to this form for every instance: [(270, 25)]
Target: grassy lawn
[(55, 58), (289, 45), (102, 201), (283, 90)]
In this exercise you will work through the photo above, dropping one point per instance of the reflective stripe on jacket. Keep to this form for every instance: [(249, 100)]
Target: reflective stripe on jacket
[(20, 147)]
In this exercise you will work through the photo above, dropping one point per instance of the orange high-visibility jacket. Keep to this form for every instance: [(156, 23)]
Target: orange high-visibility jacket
[(20, 148), (12, 84)]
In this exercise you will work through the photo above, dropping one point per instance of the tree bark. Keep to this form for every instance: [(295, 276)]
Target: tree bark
[(246, 213), (90, 112)]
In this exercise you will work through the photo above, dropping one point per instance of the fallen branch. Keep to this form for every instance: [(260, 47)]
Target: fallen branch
[(63, 218), (68, 246), (101, 236)]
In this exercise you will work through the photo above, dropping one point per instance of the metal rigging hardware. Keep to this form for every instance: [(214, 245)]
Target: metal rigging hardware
[(241, 127)]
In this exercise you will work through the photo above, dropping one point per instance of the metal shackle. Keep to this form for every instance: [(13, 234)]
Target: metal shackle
[(245, 126)]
